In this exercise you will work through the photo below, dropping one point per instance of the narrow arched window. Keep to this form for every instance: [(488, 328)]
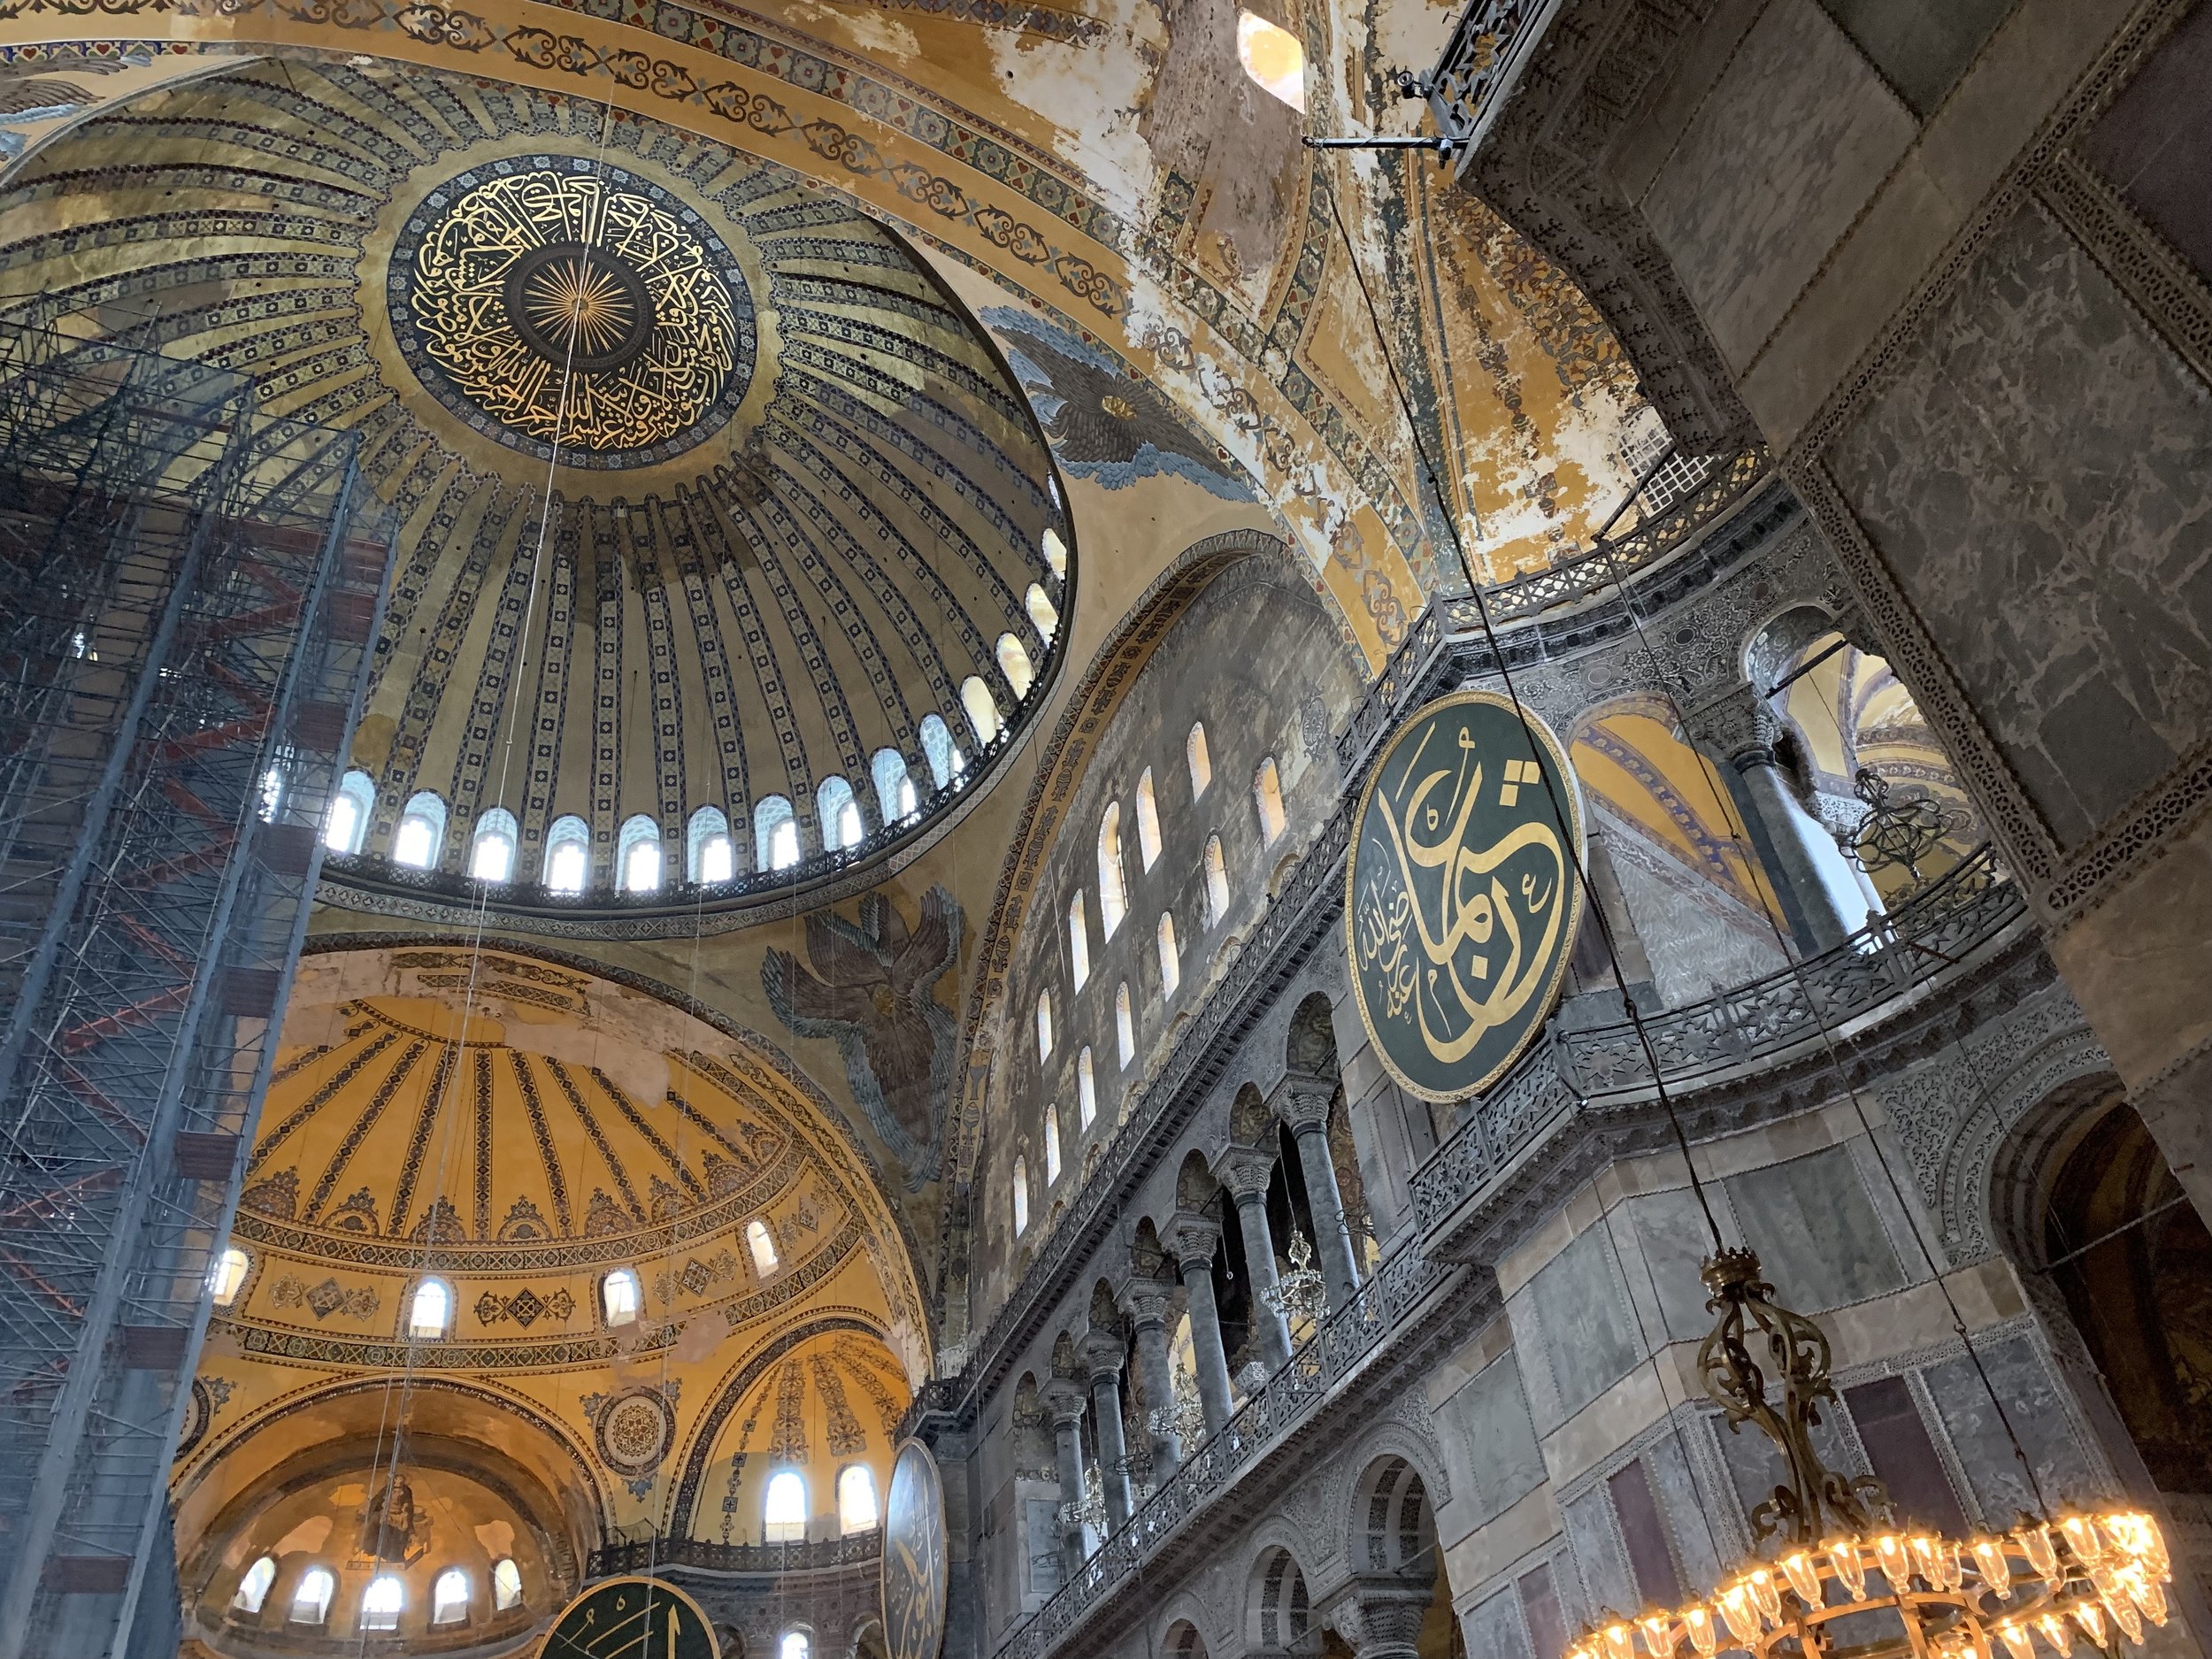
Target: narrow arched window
[(1273, 57), (1055, 550), (568, 855), (492, 846), (775, 835), (1021, 1196), (975, 697), (1216, 882), (895, 799), (837, 811), (1267, 798), (1079, 943), (709, 857), (1085, 1089), (1044, 1024), (1013, 661), (1202, 764), (793, 1646), (350, 809), (430, 1311), (762, 1243), (449, 1597), (1113, 896), (1170, 957), (310, 1601), (253, 1589), (1147, 821), (1052, 1145), (619, 1295), (227, 1275), (1043, 615), (856, 1498), (380, 1602), (945, 762), (784, 1512), (421, 832), (638, 854), (506, 1585), (1125, 1025)]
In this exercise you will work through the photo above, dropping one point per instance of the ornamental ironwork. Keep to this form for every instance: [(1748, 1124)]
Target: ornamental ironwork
[(557, 304)]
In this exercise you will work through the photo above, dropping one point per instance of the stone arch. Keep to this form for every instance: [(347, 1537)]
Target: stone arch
[(1194, 1182), (1279, 1608), (1770, 646), (1183, 1640), (1392, 1524), (1250, 1122)]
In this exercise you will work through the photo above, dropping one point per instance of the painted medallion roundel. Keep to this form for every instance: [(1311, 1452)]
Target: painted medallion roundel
[(914, 1558), (1461, 896), (632, 1618)]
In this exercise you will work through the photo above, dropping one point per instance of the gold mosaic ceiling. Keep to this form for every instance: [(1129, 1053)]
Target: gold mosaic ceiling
[(705, 489)]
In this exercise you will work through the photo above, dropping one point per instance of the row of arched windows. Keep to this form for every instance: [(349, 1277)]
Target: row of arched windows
[(430, 1307), (383, 1601), (1113, 909), (783, 1507)]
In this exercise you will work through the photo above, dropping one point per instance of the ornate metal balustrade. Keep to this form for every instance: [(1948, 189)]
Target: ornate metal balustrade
[(1573, 1071), (1385, 1304), (1488, 48), (652, 1554)]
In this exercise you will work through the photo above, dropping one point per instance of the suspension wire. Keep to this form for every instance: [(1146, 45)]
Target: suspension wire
[(1881, 1157), (396, 1413), (1561, 818)]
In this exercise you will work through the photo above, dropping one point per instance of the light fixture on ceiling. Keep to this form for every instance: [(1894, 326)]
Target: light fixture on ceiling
[(1839, 1554)]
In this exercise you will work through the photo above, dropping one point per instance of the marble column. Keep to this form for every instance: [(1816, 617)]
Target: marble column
[(1103, 1353), (1193, 1246), (1064, 1401), (1301, 1101), (1741, 729), (1245, 1172), (1145, 1304)]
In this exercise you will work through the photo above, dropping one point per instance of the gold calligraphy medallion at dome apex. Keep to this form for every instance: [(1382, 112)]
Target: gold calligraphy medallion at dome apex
[(552, 301)]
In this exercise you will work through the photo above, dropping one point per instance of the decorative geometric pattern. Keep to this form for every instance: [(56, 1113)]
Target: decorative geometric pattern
[(633, 1430), (525, 1307), (563, 306)]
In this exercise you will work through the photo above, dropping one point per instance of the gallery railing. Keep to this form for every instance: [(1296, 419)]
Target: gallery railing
[(654, 1555), (1962, 909), (1269, 1413)]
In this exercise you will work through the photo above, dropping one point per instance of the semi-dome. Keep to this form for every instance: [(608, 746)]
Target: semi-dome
[(728, 552)]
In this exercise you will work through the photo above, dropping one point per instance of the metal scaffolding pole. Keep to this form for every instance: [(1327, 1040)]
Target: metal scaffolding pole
[(190, 601)]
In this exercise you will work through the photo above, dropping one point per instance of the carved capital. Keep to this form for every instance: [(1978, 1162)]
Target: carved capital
[(1063, 1402), (1104, 1354), (1246, 1171), (1380, 1614), (1738, 726), (1145, 1303), (1191, 1239), (1302, 1099)]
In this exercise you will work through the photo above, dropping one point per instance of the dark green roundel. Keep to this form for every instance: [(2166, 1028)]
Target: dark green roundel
[(632, 1618), (1461, 901)]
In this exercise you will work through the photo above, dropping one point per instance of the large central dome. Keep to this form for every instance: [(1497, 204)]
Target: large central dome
[(729, 551)]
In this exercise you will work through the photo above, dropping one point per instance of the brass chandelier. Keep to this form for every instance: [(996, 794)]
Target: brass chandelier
[(1841, 1577)]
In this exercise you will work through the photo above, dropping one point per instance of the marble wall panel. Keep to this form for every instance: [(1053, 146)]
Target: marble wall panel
[(1815, 1231), (1580, 1313), (2037, 474), (1699, 939), (1494, 1439), (2021, 1377), (1669, 1230), (1792, 141), (1601, 1563), (2155, 141), (1920, 50), (1701, 1546), (1493, 1628)]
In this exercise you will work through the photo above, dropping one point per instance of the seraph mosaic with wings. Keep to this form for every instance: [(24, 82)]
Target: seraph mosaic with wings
[(870, 986)]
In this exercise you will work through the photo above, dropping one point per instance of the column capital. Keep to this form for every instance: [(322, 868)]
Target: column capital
[(1302, 1099), (1063, 1402), (1191, 1239), (1738, 725), (1245, 1170), (1105, 1353), (1144, 1302), (1380, 1613)]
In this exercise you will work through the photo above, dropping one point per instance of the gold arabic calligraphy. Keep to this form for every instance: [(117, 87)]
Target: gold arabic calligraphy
[(1457, 942), (530, 276)]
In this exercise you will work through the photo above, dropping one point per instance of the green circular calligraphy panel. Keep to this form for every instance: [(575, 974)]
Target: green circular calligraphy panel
[(915, 1564), (1461, 898), (632, 1618)]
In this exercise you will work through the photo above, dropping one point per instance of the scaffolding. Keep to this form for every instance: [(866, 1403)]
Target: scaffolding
[(190, 594)]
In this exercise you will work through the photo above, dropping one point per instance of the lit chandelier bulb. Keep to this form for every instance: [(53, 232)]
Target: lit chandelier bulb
[(1995, 1570), (1850, 1566), (2054, 1632), (2117, 1603), (2018, 1643), (2090, 1617), (1741, 1617), (2145, 1592), (1697, 1619), (1766, 1595), (1896, 1560), (2081, 1537), (1618, 1641), (1804, 1576), (2042, 1554), (1659, 1636)]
